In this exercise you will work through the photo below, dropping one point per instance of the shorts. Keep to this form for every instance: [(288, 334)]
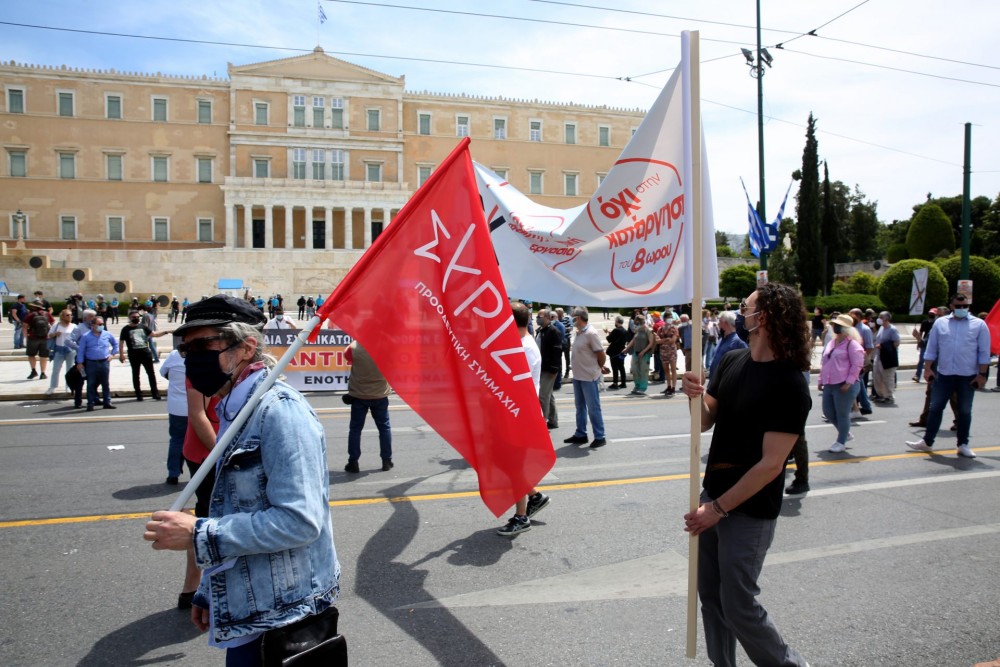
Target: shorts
[(38, 347)]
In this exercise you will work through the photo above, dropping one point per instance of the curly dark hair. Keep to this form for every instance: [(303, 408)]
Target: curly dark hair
[(787, 327)]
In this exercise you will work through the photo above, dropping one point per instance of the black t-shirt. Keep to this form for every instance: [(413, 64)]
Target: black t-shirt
[(817, 323), (753, 398), (136, 337), (925, 331)]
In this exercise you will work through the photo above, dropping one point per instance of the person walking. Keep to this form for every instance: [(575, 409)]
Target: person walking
[(172, 369), (588, 371), (18, 312), (136, 337), (96, 348), (842, 360), (59, 334), (617, 340), (958, 354), (368, 391), (666, 340), (641, 347), (886, 359), (37, 325), (758, 403), (549, 342)]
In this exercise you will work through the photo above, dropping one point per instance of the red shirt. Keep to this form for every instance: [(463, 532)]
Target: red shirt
[(194, 449)]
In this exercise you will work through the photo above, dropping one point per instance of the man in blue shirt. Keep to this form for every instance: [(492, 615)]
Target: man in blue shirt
[(94, 355), (728, 340), (960, 344)]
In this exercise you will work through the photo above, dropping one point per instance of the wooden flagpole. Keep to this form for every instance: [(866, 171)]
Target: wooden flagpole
[(242, 416), (690, 46)]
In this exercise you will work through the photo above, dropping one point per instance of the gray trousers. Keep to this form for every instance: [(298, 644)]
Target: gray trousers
[(547, 398), (730, 557)]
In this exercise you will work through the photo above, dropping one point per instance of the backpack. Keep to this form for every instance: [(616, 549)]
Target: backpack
[(39, 325)]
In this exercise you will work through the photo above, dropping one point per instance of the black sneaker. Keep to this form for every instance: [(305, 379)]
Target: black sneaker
[(536, 504), (598, 442), (797, 488), (43, 376), (33, 375), (516, 524), (172, 481), (576, 440), (352, 466), (386, 465)]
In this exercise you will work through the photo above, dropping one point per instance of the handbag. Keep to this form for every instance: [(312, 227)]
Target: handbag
[(313, 641)]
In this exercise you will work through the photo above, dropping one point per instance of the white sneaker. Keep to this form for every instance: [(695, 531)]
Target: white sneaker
[(838, 447), (919, 445), (855, 414), (966, 451), (850, 436), (49, 391)]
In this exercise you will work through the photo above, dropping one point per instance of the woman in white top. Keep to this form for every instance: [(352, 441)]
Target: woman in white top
[(60, 331), (281, 321)]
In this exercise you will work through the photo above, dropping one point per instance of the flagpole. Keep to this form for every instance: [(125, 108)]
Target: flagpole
[(242, 416), (690, 47)]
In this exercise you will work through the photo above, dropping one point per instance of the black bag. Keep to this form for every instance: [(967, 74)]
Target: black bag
[(888, 355), (311, 642), (39, 325), (74, 380)]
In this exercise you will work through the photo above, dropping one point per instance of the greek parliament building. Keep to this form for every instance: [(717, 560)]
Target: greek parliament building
[(280, 175)]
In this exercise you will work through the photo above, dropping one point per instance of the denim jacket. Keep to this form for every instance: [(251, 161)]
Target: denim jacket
[(269, 516)]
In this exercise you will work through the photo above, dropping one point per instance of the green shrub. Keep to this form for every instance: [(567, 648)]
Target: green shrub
[(896, 253), (738, 281), (845, 302), (840, 287), (896, 284), (863, 283), (930, 233), (985, 276)]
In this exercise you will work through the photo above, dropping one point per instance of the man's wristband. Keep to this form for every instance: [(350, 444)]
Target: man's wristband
[(718, 509)]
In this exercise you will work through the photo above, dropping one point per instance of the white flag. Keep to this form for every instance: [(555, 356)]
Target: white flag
[(630, 245), (918, 293)]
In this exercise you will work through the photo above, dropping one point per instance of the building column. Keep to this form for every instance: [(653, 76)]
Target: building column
[(230, 226), (248, 225), (348, 229), (288, 227), (368, 227), (328, 228), (268, 226)]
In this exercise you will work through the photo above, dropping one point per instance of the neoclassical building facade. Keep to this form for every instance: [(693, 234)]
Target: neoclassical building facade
[(282, 173)]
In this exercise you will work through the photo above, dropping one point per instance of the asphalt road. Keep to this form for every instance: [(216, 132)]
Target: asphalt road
[(892, 559)]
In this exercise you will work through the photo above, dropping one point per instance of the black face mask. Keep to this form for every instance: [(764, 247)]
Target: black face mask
[(741, 330), (203, 370), (838, 329)]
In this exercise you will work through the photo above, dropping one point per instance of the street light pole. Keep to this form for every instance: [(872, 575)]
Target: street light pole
[(760, 135)]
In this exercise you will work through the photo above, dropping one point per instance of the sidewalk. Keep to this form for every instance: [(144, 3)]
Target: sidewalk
[(14, 367)]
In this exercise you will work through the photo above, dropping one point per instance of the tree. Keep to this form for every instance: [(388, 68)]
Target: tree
[(781, 262), (930, 233), (738, 281), (863, 228), (809, 215), (834, 241), (895, 285), (985, 278), (722, 248), (890, 235), (979, 208)]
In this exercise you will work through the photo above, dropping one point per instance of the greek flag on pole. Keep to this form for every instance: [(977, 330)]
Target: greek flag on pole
[(758, 232), (322, 14)]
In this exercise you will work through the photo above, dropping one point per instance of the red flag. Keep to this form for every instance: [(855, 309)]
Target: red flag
[(993, 322), (427, 302)]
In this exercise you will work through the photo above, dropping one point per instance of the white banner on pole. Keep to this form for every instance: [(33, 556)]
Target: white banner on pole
[(631, 244), (918, 294)]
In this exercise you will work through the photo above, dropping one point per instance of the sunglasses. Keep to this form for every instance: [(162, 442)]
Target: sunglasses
[(199, 345)]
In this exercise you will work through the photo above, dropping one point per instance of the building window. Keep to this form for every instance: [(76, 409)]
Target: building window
[(204, 170), (299, 163), (161, 168), (319, 165), (534, 182), (18, 161), (535, 130), (67, 228), (423, 173), (603, 135), (570, 133), (600, 178), (373, 172), (160, 109), (299, 110), (337, 160), (23, 229), (205, 230), (205, 111), (318, 119), (499, 128), (113, 107), (15, 100), (261, 168), (66, 104), (260, 113), (116, 228), (570, 181), (462, 126), (501, 172), (161, 229), (113, 165), (374, 120), (423, 123), (67, 165), (337, 113)]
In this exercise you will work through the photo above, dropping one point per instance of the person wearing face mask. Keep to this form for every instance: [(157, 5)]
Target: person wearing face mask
[(266, 548), (843, 358), (886, 359), (281, 321), (136, 338), (93, 356), (958, 351), (60, 333)]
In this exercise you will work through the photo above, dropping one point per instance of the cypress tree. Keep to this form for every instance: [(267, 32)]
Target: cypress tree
[(809, 214)]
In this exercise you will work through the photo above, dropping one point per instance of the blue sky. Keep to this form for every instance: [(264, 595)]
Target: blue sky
[(891, 82)]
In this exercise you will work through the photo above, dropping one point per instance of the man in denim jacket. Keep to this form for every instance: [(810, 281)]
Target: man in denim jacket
[(266, 549)]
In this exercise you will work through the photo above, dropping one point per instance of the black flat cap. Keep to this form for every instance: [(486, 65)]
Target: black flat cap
[(218, 310)]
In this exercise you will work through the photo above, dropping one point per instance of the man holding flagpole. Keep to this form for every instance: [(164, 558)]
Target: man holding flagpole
[(758, 402)]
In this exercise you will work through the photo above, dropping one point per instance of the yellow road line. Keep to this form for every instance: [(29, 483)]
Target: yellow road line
[(355, 502)]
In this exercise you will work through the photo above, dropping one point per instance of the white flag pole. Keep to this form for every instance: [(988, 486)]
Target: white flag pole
[(242, 416), (692, 140)]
